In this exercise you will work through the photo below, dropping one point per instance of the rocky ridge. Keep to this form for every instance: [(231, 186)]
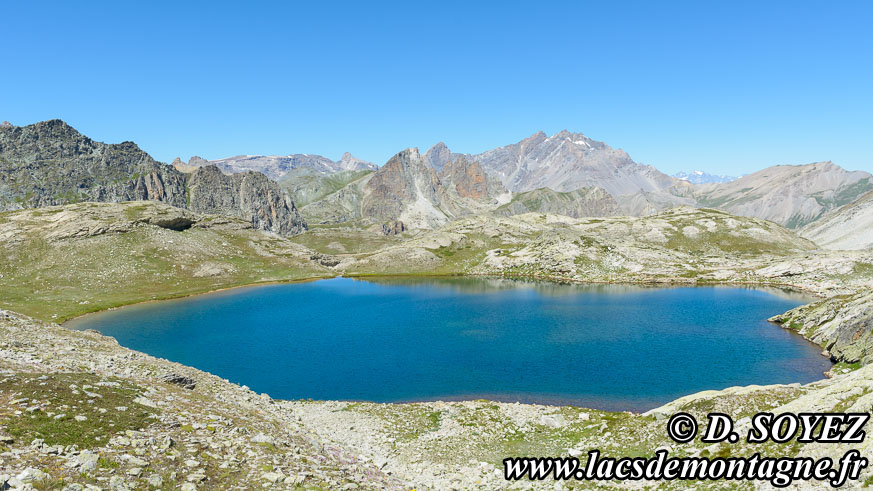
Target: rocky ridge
[(50, 163), (247, 195)]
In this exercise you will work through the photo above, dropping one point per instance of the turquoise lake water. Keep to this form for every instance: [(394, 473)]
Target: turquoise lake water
[(386, 340)]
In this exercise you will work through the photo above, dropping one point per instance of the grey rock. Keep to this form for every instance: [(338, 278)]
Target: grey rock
[(50, 163), (180, 380), (85, 461), (249, 196), (117, 483), (439, 155), (842, 325), (273, 477), (31, 475)]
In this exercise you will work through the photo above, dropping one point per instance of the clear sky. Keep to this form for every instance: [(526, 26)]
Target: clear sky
[(727, 87)]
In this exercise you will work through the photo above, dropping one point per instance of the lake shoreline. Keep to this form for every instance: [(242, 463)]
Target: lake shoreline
[(721, 321), (69, 323), (654, 283)]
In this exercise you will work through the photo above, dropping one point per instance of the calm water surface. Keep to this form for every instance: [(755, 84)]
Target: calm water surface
[(609, 347)]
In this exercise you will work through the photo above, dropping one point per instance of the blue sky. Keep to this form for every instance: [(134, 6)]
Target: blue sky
[(728, 87)]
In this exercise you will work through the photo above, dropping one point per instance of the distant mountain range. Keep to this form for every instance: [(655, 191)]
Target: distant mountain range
[(566, 173), (563, 162), (276, 166), (701, 177)]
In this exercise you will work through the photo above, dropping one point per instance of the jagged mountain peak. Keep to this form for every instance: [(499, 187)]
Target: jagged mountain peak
[(439, 155), (410, 153), (350, 162)]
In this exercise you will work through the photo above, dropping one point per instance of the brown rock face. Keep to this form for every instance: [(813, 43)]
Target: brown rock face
[(405, 189), (468, 179)]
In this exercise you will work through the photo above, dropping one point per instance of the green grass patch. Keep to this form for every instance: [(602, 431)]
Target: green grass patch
[(63, 396)]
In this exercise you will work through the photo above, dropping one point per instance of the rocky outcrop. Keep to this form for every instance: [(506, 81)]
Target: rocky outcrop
[(50, 163), (584, 202), (842, 325), (393, 227), (847, 228), (790, 195), (439, 155), (466, 179), (56, 224), (249, 195), (405, 189)]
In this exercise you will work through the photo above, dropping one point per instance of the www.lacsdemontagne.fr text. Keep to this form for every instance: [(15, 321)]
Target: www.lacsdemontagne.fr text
[(778, 471), (683, 428)]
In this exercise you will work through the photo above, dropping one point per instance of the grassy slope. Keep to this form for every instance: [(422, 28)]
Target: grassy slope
[(309, 188), (59, 279)]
